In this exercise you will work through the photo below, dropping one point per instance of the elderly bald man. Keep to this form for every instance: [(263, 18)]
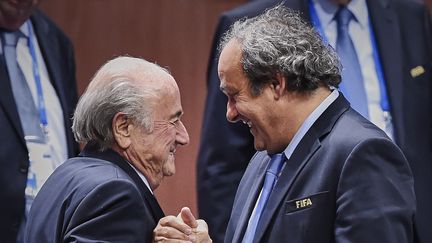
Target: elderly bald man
[(129, 119)]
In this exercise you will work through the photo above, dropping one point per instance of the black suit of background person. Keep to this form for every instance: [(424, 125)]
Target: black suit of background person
[(403, 33), (58, 56)]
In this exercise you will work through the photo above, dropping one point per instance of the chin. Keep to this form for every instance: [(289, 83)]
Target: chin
[(169, 168), (259, 147), (12, 26), (169, 172)]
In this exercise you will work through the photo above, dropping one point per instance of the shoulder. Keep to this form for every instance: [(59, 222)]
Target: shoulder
[(105, 170), (353, 139), (360, 143), (351, 129), (44, 25), (413, 12), (85, 174), (248, 10), (409, 6), (251, 9)]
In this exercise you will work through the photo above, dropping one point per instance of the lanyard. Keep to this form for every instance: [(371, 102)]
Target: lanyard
[(36, 74), (384, 102)]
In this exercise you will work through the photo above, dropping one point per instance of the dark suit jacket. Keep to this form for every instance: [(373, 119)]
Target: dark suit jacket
[(14, 162), (345, 182), (97, 197), (403, 33)]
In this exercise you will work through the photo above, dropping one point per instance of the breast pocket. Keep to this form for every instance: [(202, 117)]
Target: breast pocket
[(317, 200), (309, 218)]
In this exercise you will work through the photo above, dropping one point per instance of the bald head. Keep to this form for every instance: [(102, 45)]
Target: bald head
[(128, 85)]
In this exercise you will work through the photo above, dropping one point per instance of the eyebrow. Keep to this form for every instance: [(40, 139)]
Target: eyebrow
[(222, 88), (177, 114), (225, 89)]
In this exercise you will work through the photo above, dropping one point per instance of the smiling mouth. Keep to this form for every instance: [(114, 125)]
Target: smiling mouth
[(172, 152)]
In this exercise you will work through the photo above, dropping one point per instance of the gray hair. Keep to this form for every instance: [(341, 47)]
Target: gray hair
[(116, 87), (280, 42)]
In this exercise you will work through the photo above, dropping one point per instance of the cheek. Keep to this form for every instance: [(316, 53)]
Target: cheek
[(167, 136), (165, 142)]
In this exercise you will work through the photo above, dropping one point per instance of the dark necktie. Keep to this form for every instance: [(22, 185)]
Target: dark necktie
[(28, 113), (352, 85), (272, 174)]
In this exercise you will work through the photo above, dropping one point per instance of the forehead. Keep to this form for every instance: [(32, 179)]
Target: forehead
[(230, 56), (168, 100), (229, 67)]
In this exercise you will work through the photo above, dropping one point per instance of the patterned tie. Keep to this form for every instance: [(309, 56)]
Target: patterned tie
[(29, 115), (352, 85), (272, 174)]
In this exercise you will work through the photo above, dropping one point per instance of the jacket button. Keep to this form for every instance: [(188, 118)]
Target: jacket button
[(16, 225), (24, 170)]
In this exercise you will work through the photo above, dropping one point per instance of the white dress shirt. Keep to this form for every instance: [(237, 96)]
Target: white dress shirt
[(54, 111)]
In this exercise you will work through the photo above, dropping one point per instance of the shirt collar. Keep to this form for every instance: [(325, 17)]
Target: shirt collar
[(310, 120), (142, 177), (326, 11), (24, 28)]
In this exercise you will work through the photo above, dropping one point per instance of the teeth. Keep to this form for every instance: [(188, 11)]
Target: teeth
[(247, 123)]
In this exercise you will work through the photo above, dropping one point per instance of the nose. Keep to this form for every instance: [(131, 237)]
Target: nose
[(232, 113), (182, 136)]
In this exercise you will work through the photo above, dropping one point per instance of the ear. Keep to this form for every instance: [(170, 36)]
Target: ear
[(121, 127), (278, 86)]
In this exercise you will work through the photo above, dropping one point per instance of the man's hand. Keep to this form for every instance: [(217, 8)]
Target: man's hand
[(183, 228)]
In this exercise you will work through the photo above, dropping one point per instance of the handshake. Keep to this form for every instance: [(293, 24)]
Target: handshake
[(183, 228)]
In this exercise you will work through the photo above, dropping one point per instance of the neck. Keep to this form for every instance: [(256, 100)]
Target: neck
[(301, 105), (341, 2)]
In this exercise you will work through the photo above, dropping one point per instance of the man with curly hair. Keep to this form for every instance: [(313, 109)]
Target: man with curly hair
[(322, 173)]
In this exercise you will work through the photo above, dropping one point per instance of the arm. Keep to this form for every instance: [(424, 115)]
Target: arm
[(375, 195)]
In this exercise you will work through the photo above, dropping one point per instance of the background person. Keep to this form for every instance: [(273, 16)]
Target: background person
[(37, 97)]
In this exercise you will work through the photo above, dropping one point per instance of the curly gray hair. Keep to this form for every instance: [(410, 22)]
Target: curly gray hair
[(280, 42), (116, 87)]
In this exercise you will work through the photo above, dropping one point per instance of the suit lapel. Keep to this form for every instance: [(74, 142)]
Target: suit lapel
[(387, 34), (309, 144), (249, 204), (7, 100), (305, 149)]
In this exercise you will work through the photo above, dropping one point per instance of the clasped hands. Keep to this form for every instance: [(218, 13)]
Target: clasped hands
[(183, 228)]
